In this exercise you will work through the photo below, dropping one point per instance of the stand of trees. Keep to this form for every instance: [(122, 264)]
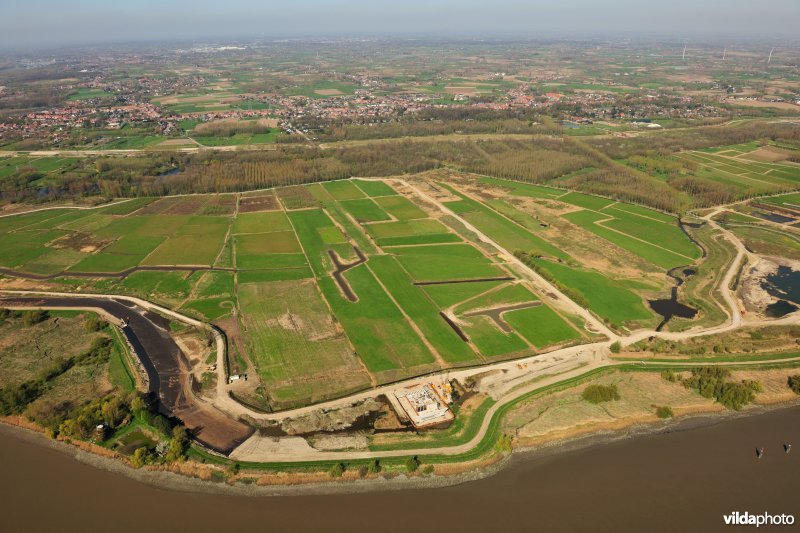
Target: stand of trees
[(712, 382), (585, 165)]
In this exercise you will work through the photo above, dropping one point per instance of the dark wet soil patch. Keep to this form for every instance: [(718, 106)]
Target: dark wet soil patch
[(780, 309), (158, 320), (774, 217), (456, 327), (342, 267), (783, 284)]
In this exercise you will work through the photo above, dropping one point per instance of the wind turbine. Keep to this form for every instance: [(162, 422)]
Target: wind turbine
[(683, 57), (770, 56), (724, 52)]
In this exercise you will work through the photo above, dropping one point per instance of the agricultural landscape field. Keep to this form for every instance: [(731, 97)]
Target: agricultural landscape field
[(282, 246)]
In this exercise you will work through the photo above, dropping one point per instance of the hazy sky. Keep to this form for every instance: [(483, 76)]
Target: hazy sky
[(27, 23)]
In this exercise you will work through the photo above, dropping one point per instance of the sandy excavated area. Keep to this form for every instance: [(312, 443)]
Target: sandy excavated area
[(340, 442), (260, 448)]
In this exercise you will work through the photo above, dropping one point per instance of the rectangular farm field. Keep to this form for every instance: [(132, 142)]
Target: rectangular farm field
[(295, 345), (365, 210), (380, 333), (446, 262), (375, 188), (343, 190), (262, 222), (401, 207), (413, 300)]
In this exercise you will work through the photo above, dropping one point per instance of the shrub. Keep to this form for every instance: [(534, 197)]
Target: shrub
[(504, 443), (428, 470), (337, 470), (178, 445), (162, 424), (412, 464), (615, 347), (669, 375), (711, 382), (600, 393), (664, 412), (141, 457), (94, 323), (374, 466), (34, 316), (794, 383)]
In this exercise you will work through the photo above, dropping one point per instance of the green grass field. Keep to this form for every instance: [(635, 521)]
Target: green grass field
[(382, 337), (605, 297), (508, 294), (309, 342), (649, 234), (449, 294), (294, 344), (262, 222), (413, 300), (401, 207), (491, 340), (365, 210), (374, 188), (446, 262), (505, 232), (432, 238), (541, 326), (409, 228), (343, 190), (604, 226), (790, 201)]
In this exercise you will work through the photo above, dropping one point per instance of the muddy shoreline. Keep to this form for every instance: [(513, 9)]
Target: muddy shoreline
[(183, 483)]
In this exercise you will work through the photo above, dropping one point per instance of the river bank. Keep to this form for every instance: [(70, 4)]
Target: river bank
[(195, 476), (685, 477)]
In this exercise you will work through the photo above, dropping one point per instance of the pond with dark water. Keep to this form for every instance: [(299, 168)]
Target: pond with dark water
[(784, 284), (671, 307)]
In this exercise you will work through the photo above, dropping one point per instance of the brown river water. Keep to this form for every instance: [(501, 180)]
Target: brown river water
[(681, 480)]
